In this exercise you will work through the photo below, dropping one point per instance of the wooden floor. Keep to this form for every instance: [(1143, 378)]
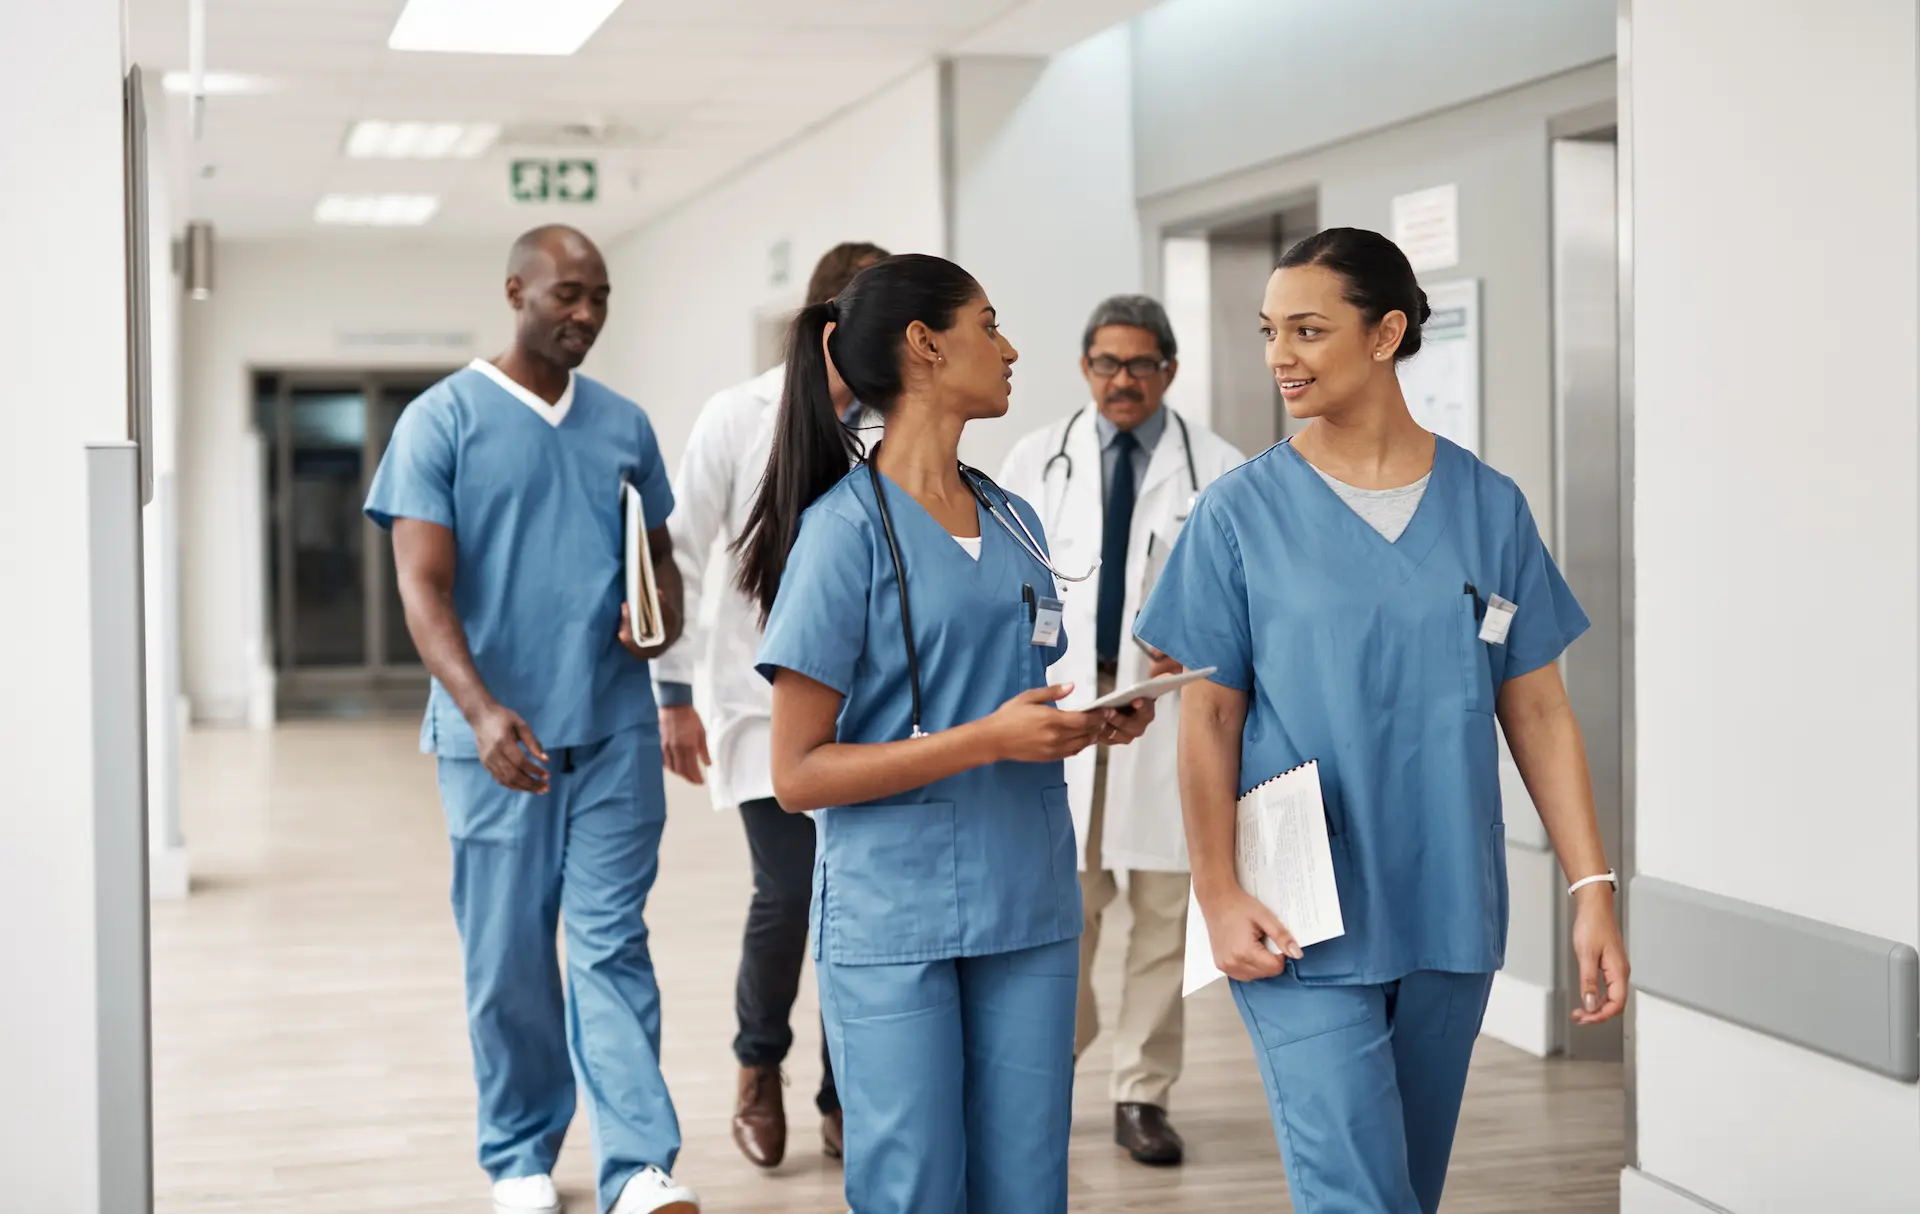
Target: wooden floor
[(311, 1054)]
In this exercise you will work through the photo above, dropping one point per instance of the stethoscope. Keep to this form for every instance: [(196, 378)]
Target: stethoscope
[(977, 483), (1066, 435)]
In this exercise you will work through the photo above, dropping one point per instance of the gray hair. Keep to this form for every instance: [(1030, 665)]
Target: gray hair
[(1135, 311)]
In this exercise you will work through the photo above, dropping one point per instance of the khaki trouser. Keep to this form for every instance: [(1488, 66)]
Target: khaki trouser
[(1149, 1035)]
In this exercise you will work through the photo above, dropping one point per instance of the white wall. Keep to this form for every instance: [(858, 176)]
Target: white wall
[(691, 287), (1223, 84), (1043, 212), (297, 305), (1775, 531), (63, 339)]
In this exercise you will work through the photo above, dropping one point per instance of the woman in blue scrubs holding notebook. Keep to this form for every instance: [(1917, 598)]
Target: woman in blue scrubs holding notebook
[(912, 615), (1374, 598)]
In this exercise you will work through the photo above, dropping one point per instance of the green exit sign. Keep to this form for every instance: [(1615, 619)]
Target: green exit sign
[(554, 180)]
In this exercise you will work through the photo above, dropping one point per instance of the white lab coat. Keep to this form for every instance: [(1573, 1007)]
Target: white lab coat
[(1142, 829), (720, 472)]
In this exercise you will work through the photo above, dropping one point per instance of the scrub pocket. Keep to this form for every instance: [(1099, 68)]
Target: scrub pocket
[(1476, 664), (1340, 956), (1497, 892), (889, 891), (1064, 852), (1280, 1012), (479, 810)]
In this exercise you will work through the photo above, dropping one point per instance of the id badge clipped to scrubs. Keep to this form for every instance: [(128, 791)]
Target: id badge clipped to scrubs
[(1046, 621), (1499, 618)]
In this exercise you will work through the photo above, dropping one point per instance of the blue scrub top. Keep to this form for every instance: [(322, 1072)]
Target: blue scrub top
[(1366, 655), (981, 862), (540, 554)]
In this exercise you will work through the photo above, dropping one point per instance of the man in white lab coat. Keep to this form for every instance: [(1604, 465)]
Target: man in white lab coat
[(719, 474), (1115, 480)]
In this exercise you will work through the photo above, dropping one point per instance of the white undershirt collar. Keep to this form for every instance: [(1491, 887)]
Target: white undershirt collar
[(552, 414)]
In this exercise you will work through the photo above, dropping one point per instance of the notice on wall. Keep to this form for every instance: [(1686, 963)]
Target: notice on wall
[(1442, 382), (1426, 226)]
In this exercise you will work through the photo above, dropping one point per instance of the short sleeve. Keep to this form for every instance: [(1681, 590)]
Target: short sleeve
[(1547, 618), (818, 626), (1197, 613), (415, 476), (650, 476)]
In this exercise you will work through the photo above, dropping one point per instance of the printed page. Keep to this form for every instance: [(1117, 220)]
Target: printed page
[(1283, 857)]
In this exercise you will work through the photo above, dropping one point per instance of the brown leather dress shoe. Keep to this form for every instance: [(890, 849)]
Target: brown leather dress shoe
[(833, 1134), (760, 1117), (1144, 1130)]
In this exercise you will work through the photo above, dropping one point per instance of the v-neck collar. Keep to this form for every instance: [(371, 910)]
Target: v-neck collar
[(952, 554), (1424, 529), (553, 414)]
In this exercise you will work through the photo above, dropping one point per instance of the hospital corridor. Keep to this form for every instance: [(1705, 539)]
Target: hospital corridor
[(961, 607), (310, 1053)]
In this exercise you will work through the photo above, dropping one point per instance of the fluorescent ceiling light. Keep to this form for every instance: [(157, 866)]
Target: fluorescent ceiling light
[(499, 27), (376, 210), (377, 140), (216, 84)]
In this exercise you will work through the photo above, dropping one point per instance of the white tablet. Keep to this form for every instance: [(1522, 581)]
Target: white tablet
[(1152, 689)]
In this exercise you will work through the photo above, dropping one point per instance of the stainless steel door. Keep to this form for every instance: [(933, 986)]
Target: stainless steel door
[(1593, 549)]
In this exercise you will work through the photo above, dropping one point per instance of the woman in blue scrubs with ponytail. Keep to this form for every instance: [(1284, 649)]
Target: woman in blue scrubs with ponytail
[(912, 613), (1374, 597)]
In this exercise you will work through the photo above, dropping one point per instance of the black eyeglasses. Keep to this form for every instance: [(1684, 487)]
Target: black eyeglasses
[(1107, 366)]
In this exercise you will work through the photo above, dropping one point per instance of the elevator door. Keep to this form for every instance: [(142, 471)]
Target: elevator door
[(1593, 548)]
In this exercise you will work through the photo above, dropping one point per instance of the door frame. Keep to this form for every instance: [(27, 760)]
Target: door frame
[(375, 674)]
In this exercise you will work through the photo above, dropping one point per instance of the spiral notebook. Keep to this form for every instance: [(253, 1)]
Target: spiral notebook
[(1282, 856)]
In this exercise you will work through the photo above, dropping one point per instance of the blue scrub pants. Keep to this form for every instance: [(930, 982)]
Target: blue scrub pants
[(585, 852), (956, 1078), (1364, 1084)]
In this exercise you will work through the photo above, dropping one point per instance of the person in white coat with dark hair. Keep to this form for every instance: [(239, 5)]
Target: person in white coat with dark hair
[(720, 471), (1114, 481)]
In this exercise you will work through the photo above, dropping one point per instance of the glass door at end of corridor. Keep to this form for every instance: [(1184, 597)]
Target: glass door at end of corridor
[(340, 640)]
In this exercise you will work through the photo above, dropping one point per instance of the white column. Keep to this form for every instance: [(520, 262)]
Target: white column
[(1776, 184), (63, 343), (169, 876)]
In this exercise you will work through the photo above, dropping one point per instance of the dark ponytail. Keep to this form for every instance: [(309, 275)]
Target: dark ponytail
[(811, 452), (1378, 276), (812, 448)]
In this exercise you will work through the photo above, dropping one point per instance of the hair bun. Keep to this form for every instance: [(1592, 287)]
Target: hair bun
[(1426, 312)]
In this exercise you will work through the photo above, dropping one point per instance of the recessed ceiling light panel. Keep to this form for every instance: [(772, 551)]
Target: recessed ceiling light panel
[(499, 27), (378, 140), (376, 210), (216, 84)]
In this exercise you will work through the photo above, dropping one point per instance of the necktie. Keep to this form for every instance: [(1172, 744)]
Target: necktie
[(1113, 547)]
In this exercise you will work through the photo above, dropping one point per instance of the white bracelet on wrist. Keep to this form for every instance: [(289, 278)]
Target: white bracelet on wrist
[(1581, 884)]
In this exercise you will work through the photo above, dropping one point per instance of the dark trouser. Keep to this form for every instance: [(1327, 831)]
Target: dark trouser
[(775, 947)]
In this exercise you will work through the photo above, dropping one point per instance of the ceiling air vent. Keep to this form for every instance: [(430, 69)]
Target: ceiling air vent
[(585, 135)]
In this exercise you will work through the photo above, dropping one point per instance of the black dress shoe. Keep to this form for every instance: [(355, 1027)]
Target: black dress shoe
[(1144, 1130), (833, 1135)]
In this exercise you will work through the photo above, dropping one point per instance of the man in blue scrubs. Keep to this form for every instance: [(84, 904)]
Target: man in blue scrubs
[(502, 487)]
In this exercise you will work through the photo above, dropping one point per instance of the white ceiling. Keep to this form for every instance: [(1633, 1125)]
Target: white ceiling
[(700, 87)]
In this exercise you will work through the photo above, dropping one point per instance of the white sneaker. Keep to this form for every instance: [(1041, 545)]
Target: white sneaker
[(525, 1195), (652, 1191)]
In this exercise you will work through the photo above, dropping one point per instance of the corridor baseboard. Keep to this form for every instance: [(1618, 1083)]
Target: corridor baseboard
[(168, 875), (1522, 1015), (1644, 1194)]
